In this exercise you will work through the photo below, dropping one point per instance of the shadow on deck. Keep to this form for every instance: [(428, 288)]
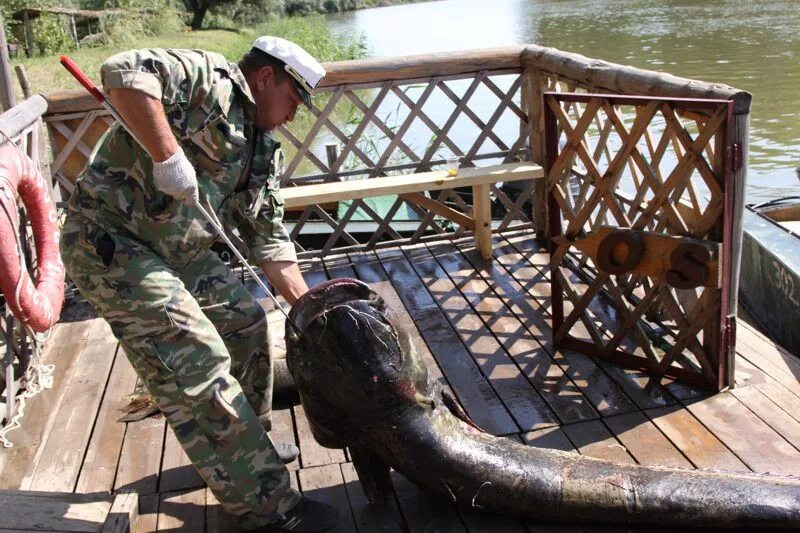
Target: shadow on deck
[(483, 329)]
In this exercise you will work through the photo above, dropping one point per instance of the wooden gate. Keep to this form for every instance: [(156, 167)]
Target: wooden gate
[(640, 216)]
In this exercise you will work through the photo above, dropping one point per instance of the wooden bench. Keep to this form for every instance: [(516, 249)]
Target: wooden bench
[(411, 186)]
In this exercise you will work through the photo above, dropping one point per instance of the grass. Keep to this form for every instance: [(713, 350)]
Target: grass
[(46, 75)]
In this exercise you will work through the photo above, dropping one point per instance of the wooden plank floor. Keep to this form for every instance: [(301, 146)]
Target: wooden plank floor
[(483, 329)]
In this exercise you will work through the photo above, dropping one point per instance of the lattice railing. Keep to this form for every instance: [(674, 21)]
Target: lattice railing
[(72, 136), (403, 126), (361, 131), (402, 115), (638, 190)]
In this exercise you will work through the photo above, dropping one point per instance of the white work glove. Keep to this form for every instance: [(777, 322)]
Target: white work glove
[(176, 177)]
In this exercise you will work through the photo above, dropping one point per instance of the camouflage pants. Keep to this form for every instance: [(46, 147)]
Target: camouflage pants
[(189, 335)]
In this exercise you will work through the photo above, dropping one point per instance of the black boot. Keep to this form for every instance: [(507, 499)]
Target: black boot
[(308, 516)]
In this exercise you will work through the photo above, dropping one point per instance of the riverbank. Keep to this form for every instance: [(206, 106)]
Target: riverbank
[(305, 7), (46, 75)]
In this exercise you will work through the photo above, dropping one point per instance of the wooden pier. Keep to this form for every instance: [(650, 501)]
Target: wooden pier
[(655, 159), (482, 328)]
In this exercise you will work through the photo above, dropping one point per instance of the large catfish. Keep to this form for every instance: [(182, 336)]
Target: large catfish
[(364, 387)]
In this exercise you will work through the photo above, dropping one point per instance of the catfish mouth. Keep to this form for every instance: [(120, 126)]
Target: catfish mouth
[(326, 295)]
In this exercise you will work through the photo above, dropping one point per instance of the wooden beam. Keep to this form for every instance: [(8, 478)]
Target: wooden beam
[(622, 79), (70, 102), (738, 180), (8, 404), (21, 116), (123, 513), (655, 250), (537, 60), (7, 362), (440, 209), (425, 181), (420, 66)]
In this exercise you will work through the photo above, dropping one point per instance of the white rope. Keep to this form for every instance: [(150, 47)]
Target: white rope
[(41, 378)]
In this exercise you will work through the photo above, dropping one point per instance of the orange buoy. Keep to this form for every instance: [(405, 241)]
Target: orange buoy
[(35, 306)]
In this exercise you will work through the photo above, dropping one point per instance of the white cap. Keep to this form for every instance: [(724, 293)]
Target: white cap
[(304, 70)]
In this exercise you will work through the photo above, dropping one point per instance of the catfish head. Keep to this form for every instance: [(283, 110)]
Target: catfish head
[(354, 367)]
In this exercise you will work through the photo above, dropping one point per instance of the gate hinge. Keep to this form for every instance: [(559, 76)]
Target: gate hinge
[(729, 351), (735, 157), (730, 334)]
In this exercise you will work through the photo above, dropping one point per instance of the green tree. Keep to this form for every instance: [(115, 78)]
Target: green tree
[(248, 12), (199, 8), (51, 33)]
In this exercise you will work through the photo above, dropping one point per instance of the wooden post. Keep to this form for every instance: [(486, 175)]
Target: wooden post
[(714, 332), (534, 101), (123, 513), (22, 76), (28, 31), (74, 30), (741, 137), (482, 213), (7, 99), (332, 154), (39, 151), (712, 340)]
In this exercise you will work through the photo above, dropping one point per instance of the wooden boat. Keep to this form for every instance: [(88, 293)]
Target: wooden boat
[(769, 287)]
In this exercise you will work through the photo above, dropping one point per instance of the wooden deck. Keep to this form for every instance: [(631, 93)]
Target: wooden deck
[(483, 329)]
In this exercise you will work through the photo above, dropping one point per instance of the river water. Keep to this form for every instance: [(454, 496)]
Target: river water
[(754, 46)]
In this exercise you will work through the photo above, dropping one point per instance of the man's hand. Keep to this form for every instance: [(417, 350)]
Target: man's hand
[(176, 176)]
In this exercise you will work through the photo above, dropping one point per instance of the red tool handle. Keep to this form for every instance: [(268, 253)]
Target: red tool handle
[(82, 79)]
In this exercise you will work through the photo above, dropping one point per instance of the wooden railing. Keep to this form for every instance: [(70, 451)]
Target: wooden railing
[(395, 116), (402, 115)]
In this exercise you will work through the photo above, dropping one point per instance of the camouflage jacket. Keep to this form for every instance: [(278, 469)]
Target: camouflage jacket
[(211, 112)]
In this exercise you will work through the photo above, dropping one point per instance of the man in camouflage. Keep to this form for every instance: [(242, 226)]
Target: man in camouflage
[(137, 247)]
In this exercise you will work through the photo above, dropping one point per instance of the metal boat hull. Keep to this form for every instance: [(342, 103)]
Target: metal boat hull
[(769, 284)]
